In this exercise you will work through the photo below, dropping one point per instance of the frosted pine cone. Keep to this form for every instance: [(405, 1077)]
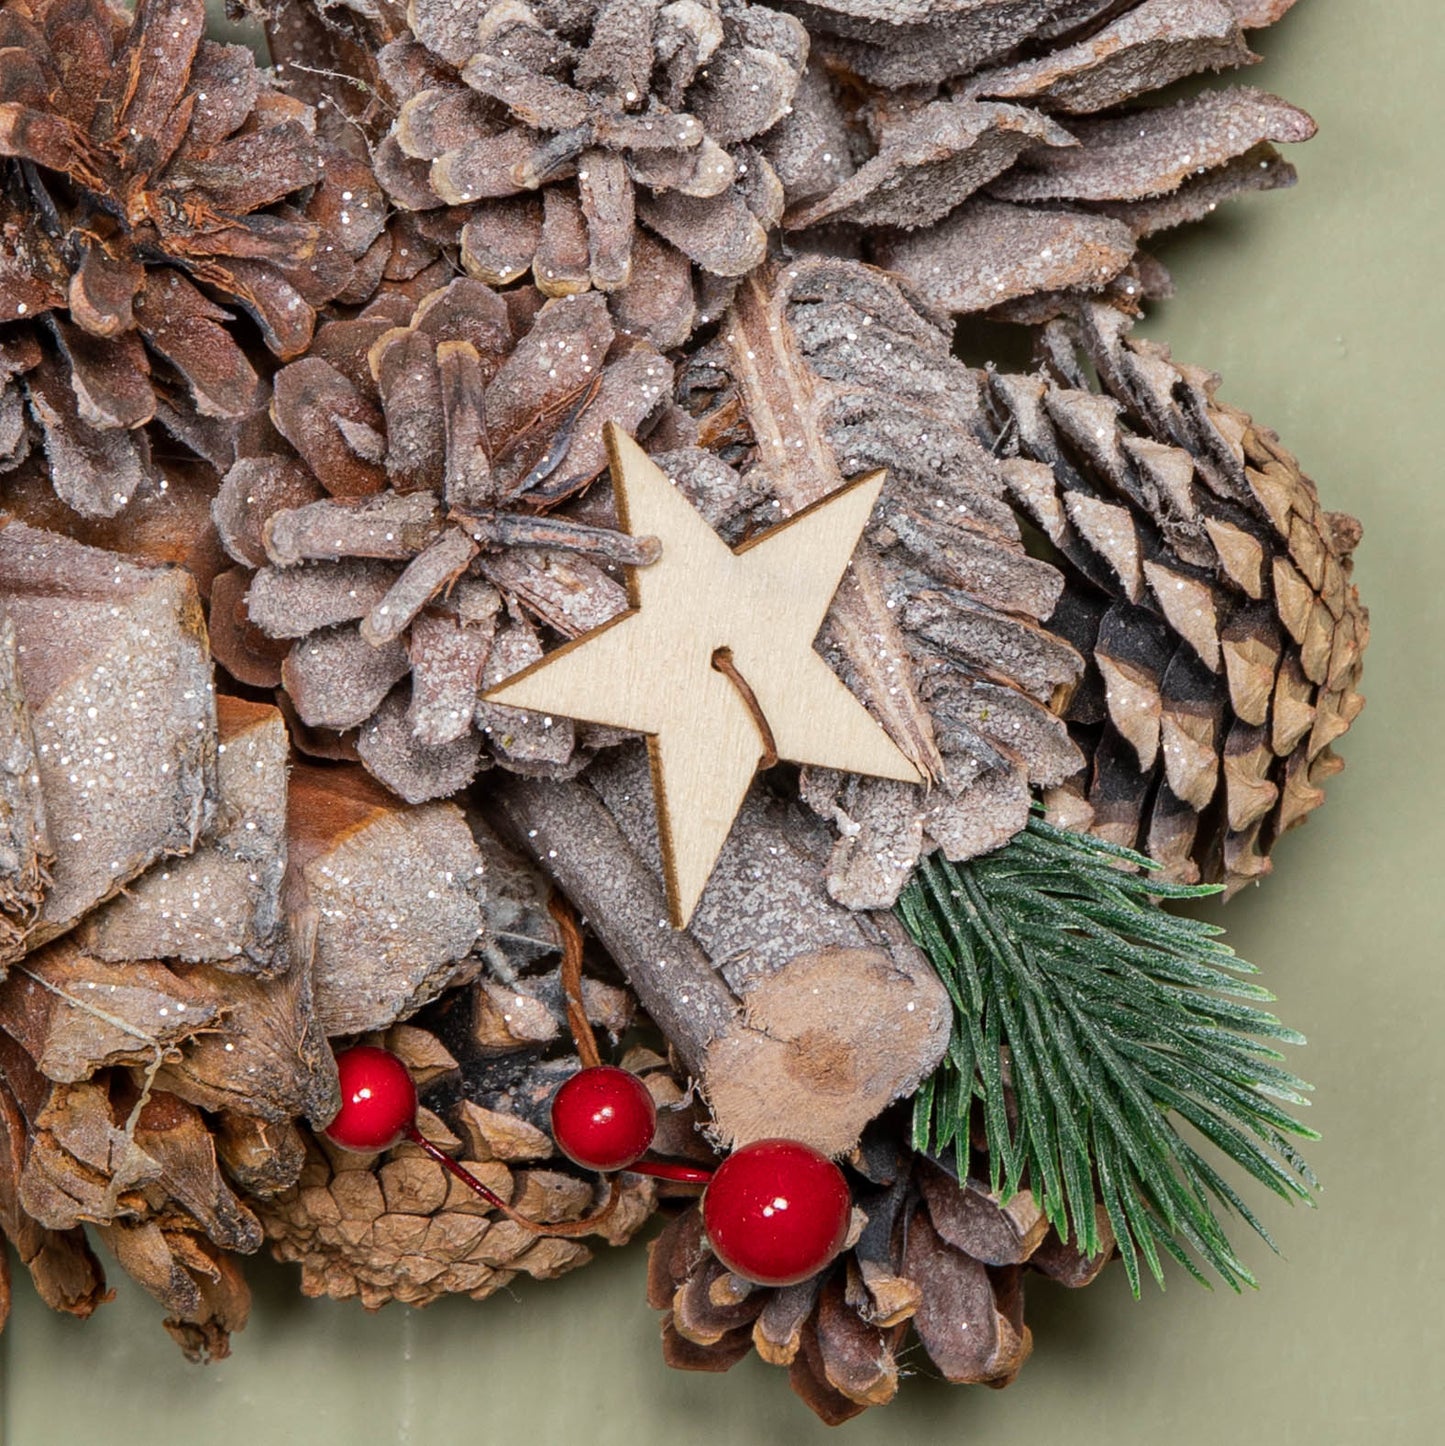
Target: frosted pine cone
[(993, 153), (604, 144), (446, 433)]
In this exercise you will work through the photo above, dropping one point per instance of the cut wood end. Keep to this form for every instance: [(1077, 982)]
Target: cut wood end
[(825, 1044)]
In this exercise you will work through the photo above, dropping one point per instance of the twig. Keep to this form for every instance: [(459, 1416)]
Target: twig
[(577, 1021)]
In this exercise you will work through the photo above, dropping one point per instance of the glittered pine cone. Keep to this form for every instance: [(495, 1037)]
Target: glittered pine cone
[(146, 175), (605, 144), (826, 369), (927, 1256), (994, 154), (1182, 541), (1207, 587), (447, 433)]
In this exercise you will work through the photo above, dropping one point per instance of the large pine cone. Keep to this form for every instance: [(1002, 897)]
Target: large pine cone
[(596, 143), (1208, 589), (994, 153)]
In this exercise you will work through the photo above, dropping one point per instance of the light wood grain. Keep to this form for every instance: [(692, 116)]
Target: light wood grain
[(651, 669)]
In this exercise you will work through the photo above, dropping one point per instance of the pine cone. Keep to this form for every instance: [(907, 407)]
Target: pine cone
[(1207, 587), (606, 144), (826, 369), (401, 1227), (444, 432), (993, 154), (947, 1258), (146, 170), (1211, 547)]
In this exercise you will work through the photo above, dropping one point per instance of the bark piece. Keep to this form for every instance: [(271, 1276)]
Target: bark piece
[(115, 672), (394, 894), (222, 904)]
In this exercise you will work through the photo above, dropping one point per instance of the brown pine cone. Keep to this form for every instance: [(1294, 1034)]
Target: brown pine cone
[(446, 432), (993, 154), (144, 174), (949, 1260), (1208, 589), (399, 1226)]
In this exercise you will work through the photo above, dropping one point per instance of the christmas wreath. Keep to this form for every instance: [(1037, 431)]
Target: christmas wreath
[(546, 681)]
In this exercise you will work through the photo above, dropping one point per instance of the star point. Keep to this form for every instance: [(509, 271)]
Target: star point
[(651, 669)]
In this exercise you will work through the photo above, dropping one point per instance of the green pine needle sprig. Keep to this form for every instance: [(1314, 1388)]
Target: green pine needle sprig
[(1088, 1022)]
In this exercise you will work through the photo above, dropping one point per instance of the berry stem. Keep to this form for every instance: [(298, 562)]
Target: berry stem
[(666, 1170), (577, 1022), (464, 1175), (567, 1227)]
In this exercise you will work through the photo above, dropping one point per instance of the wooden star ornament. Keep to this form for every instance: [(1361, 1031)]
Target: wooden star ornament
[(714, 662)]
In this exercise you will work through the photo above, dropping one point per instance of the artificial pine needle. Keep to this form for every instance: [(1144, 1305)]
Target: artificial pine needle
[(1088, 1021)]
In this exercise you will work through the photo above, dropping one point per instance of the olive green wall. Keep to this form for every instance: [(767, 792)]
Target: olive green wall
[(1321, 306)]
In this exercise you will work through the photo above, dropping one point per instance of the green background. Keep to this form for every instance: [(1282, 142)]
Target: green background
[(1321, 307)]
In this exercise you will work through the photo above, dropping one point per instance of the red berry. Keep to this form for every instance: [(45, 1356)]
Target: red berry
[(603, 1118), (776, 1212), (378, 1100)]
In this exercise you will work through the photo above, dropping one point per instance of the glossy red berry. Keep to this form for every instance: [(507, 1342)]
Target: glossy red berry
[(603, 1118), (378, 1100), (776, 1212)]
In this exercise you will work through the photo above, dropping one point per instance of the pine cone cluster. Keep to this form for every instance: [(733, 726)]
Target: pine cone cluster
[(188, 918), (303, 381)]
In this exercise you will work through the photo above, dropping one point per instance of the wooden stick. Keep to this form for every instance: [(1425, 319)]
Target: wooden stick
[(573, 837)]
